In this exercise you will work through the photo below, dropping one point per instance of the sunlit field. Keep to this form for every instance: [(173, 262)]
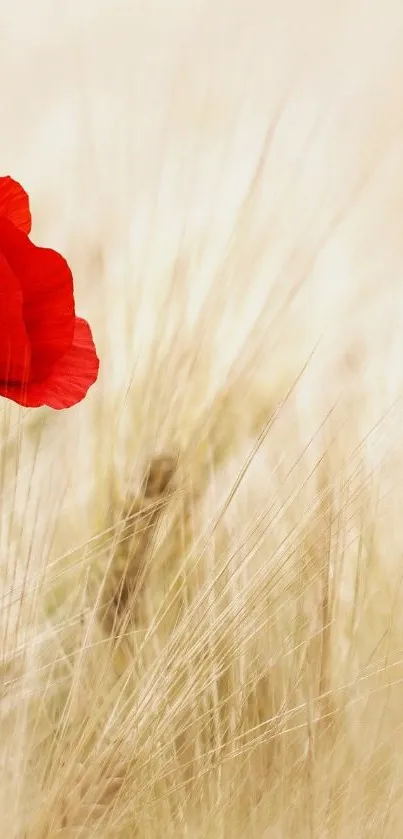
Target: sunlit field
[(201, 593)]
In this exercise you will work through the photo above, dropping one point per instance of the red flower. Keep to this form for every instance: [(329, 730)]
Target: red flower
[(47, 355)]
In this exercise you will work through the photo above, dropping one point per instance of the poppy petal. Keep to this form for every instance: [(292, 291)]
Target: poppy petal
[(15, 353), (69, 380), (47, 289), (14, 204)]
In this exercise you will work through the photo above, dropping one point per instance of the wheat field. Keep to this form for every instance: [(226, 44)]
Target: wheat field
[(201, 594)]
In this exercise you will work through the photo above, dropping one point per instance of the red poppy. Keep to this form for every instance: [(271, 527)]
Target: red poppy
[(47, 355)]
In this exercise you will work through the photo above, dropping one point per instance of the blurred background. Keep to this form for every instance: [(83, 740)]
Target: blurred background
[(225, 179)]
